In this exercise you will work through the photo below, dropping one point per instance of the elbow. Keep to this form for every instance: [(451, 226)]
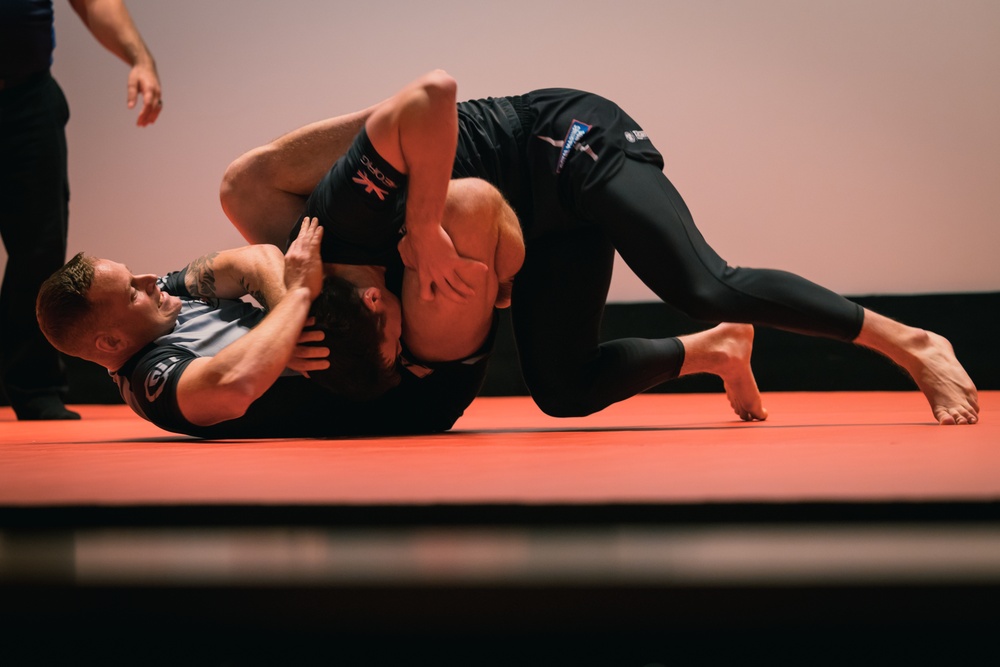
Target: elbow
[(230, 398), (229, 403), (268, 254), (239, 399)]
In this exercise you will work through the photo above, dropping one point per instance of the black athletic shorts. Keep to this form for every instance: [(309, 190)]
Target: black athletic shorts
[(543, 150)]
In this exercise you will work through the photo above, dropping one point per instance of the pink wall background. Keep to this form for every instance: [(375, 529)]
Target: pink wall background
[(856, 142)]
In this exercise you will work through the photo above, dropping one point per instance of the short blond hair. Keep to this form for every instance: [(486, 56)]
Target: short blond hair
[(62, 307)]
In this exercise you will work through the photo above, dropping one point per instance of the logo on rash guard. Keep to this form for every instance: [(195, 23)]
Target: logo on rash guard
[(576, 130), (362, 179), (571, 143), (376, 172), (157, 378)]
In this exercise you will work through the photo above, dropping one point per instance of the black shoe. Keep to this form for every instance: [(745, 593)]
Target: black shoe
[(40, 408)]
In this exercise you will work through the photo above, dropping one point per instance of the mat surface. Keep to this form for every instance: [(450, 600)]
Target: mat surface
[(654, 448)]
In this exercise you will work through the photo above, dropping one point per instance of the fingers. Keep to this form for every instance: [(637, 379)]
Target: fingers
[(426, 288), (452, 290), (310, 231), (306, 358), (133, 92), (305, 366), (311, 352), (145, 83), (152, 105), (458, 292), (309, 358), (150, 112), (452, 285), (313, 336), (309, 238), (456, 289)]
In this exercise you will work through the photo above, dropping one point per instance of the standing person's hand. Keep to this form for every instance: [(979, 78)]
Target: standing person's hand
[(143, 80)]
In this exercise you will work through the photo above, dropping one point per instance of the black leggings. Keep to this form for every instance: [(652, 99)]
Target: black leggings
[(560, 293)]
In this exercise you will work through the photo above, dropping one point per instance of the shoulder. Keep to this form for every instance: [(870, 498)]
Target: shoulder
[(148, 383)]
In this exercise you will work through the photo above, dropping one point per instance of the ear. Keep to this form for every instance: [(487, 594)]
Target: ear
[(371, 297), (109, 343)]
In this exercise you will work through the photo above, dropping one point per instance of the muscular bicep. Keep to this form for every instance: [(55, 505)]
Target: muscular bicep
[(264, 191)]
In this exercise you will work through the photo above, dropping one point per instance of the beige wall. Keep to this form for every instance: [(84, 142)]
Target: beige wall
[(856, 142)]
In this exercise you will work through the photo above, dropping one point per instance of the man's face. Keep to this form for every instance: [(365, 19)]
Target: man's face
[(131, 306), (392, 311)]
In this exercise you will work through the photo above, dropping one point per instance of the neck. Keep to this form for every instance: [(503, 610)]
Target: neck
[(113, 362), (112, 359), (362, 275)]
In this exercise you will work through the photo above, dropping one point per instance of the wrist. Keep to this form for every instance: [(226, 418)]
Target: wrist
[(418, 227), (298, 293)]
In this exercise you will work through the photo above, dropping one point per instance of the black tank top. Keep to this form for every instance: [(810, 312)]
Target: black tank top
[(26, 38)]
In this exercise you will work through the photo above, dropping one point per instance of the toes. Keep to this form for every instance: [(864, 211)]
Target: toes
[(967, 417), (957, 416)]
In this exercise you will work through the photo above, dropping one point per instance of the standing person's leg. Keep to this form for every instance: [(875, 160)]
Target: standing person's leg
[(653, 230), (34, 194)]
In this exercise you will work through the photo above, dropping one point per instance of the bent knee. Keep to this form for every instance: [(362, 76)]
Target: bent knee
[(708, 303), (563, 400)]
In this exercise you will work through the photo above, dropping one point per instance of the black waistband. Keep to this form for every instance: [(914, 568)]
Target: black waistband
[(13, 82), (424, 368), (524, 117)]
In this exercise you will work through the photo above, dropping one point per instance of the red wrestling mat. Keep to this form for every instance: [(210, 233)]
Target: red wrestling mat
[(654, 448)]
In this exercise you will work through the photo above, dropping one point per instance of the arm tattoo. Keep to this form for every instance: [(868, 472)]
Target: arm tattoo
[(256, 294), (200, 279)]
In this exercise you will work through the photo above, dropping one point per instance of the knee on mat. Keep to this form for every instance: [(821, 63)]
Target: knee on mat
[(562, 401)]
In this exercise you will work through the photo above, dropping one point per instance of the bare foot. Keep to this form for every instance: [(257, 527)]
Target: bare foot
[(725, 351), (737, 376), (930, 361), (943, 380)]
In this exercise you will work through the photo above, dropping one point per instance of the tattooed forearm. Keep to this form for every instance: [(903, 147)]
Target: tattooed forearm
[(256, 294), (200, 279)]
